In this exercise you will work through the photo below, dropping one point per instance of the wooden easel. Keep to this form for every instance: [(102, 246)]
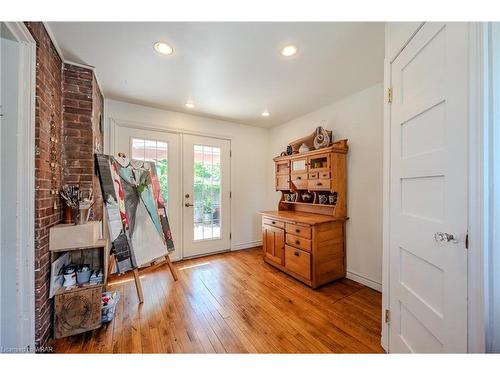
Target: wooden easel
[(110, 259), (137, 272)]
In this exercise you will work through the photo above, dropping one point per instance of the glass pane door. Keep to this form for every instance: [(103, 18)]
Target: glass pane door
[(206, 192), (206, 207), (164, 149), (157, 151)]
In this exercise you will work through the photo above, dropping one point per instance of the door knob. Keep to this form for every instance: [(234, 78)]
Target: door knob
[(189, 205), (441, 237)]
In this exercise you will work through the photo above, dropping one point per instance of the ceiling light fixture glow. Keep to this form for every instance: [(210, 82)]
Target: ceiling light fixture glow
[(163, 48), (265, 113), (289, 50), (189, 104)]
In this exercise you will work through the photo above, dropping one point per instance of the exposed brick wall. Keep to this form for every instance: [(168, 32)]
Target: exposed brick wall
[(82, 109), (98, 128), (48, 108), (69, 97)]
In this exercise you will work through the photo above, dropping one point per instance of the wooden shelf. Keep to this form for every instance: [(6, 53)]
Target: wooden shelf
[(98, 244), (310, 204)]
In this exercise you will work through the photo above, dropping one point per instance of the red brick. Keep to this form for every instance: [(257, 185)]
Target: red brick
[(69, 96)]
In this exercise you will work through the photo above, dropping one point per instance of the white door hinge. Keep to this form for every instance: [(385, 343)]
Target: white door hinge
[(389, 95)]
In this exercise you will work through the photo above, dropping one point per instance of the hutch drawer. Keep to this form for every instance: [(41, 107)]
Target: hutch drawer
[(298, 230), (273, 222), (324, 175), (298, 242), (318, 184), (298, 261), (299, 181)]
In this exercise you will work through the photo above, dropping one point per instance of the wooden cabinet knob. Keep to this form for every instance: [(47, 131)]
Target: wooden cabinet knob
[(297, 230), (319, 184), (296, 253), (273, 222), (297, 242)]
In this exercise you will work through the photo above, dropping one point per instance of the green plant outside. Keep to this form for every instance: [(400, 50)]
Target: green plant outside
[(162, 172), (204, 189)]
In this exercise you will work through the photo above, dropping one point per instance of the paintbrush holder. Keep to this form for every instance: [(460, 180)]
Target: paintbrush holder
[(68, 214), (83, 216)]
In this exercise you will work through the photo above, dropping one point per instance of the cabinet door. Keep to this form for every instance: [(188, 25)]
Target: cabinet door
[(282, 167), (273, 244), (299, 165), (282, 182), (318, 163)]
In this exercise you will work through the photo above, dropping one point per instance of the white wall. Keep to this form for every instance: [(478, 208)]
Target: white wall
[(359, 118), (248, 163)]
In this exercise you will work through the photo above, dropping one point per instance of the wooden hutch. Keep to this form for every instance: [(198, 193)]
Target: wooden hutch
[(306, 236)]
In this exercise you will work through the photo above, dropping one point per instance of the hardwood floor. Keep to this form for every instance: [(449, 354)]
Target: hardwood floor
[(235, 303)]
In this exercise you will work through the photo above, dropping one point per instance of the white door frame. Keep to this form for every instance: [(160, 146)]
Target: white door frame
[(475, 258), (114, 124), (199, 248), (26, 187)]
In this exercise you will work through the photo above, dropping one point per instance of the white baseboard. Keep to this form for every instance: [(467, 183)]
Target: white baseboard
[(365, 281), (245, 245)]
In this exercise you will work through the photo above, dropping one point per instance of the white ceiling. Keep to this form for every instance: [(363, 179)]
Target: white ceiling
[(231, 71)]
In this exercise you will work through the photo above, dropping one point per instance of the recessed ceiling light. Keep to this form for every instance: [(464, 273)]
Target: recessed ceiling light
[(289, 50), (265, 113), (189, 104), (163, 48)]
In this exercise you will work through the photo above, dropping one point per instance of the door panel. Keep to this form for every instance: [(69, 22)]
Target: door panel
[(164, 149), (206, 182), (428, 280), (273, 242)]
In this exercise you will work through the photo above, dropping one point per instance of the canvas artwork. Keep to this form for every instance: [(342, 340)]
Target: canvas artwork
[(137, 217)]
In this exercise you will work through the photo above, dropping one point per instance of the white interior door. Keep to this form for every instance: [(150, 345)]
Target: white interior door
[(164, 149), (428, 190), (206, 183)]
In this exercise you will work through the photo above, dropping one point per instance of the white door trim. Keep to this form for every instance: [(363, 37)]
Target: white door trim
[(26, 186), (475, 318), (476, 294), (113, 123)]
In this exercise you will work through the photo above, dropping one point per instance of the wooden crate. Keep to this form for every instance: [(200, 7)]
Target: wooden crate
[(77, 311)]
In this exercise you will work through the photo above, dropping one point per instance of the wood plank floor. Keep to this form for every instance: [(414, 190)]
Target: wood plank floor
[(235, 303)]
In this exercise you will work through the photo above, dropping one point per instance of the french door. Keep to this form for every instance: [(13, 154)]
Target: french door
[(428, 192), (194, 174), (206, 195), (164, 149)]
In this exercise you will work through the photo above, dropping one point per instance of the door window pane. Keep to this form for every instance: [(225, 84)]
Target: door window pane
[(157, 151), (206, 192)]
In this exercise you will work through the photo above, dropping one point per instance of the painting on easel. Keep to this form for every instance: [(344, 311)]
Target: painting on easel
[(137, 217)]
